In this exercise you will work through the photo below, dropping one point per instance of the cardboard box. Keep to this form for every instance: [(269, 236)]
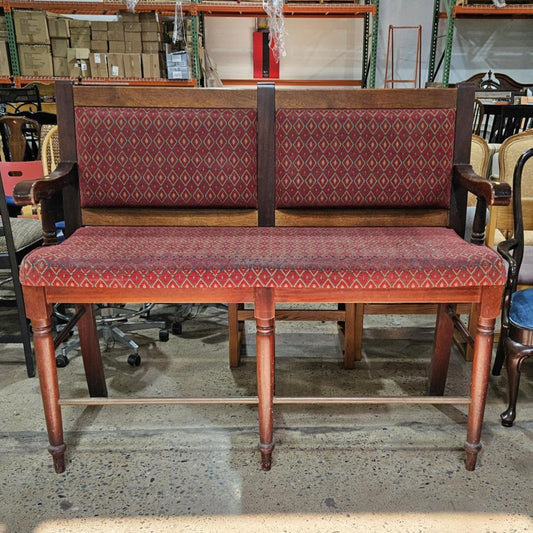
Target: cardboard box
[(99, 46), (35, 60), (115, 31), (60, 66), (98, 35), (31, 27), (131, 47), (59, 46), (132, 65), (80, 40), (98, 64), (4, 60), (152, 36), (79, 68), (78, 53), (132, 27), (133, 36), (151, 47), (116, 47), (58, 27), (79, 24), (99, 25), (152, 25), (115, 65), (151, 65)]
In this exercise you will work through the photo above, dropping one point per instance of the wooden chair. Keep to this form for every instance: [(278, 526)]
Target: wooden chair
[(18, 236), (501, 221), (516, 337), (20, 138), (50, 148)]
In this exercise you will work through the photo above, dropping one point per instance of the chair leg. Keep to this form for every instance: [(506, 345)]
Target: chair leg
[(478, 389), (515, 353), (442, 347), (235, 332), (264, 310), (352, 341), (90, 352), (46, 366)]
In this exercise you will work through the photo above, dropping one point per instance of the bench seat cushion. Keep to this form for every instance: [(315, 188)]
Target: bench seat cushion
[(213, 257)]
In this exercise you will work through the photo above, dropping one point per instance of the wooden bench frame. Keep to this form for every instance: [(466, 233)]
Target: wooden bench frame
[(39, 299)]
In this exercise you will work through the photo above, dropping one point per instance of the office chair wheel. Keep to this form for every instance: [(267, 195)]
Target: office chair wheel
[(61, 361), (163, 335), (176, 328), (134, 359)]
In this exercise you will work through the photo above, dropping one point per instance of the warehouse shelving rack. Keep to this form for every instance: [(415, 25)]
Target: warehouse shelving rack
[(196, 9), (448, 10)]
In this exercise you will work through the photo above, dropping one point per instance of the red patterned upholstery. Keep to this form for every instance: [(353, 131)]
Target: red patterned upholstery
[(364, 158), (329, 258), (133, 157)]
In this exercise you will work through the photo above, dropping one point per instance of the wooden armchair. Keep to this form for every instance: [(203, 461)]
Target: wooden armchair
[(501, 222)]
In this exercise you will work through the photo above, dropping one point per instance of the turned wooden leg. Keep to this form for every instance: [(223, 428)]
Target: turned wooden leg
[(235, 332), (90, 352), (264, 316), (352, 335), (478, 390), (39, 312), (515, 353), (442, 347)]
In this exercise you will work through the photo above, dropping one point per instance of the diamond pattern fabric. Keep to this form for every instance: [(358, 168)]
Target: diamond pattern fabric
[(282, 257), (134, 157), (364, 158)]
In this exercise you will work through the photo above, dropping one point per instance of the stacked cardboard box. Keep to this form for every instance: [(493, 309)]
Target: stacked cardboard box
[(153, 39), (33, 43), (4, 55), (52, 45), (59, 31), (78, 53)]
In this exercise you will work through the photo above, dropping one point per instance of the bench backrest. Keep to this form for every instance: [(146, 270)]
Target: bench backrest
[(160, 155), (167, 156), (372, 157)]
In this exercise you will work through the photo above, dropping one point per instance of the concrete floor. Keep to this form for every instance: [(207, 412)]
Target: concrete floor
[(337, 468)]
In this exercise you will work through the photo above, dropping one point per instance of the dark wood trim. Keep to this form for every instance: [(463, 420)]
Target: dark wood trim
[(123, 96), (266, 157), (461, 153), (68, 153), (367, 99)]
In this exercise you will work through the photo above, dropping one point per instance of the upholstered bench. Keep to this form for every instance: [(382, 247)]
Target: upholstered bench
[(141, 166)]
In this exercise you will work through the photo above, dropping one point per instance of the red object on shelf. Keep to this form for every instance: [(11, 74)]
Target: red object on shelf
[(265, 66)]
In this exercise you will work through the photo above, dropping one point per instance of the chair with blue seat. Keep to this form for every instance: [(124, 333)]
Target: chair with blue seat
[(516, 337)]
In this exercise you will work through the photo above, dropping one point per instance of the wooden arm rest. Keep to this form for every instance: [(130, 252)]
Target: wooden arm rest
[(33, 191), (493, 192)]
